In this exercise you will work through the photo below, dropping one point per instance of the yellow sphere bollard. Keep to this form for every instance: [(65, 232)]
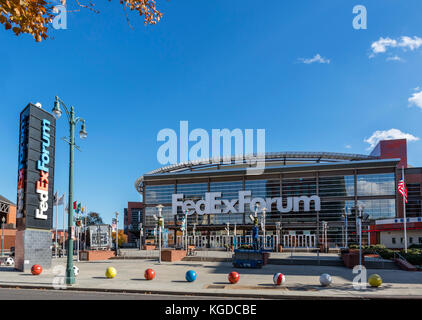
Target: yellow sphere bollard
[(375, 280), (110, 272)]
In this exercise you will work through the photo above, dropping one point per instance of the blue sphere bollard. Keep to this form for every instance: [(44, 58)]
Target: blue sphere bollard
[(190, 276)]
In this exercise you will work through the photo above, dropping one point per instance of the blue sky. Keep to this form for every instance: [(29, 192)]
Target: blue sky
[(218, 64)]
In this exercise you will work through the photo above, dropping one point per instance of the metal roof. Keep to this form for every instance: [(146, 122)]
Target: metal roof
[(226, 165), (3, 199)]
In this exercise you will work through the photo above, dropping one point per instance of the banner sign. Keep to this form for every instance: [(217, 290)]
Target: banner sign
[(37, 133)]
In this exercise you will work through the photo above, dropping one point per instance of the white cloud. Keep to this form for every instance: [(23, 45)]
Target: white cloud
[(382, 44), (388, 135), (416, 98), (348, 146), (410, 43), (394, 58), (316, 58), (405, 42)]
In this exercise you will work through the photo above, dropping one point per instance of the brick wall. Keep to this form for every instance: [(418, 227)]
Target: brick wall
[(172, 255), (94, 255)]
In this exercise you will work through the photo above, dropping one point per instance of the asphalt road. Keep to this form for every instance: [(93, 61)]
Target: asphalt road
[(40, 294)]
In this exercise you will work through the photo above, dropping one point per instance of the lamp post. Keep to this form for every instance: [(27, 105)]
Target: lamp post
[(3, 220), (254, 219), (278, 227), (141, 234), (360, 234), (194, 234), (228, 235), (117, 233), (346, 229), (264, 211), (73, 121), (234, 237), (159, 222), (185, 230)]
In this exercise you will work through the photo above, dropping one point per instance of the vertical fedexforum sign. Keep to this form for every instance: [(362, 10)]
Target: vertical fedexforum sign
[(34, 215)]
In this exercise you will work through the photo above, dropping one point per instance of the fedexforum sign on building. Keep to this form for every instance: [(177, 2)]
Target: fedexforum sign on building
[(309, 198)]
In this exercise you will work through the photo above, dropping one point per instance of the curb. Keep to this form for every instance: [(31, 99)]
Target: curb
[(216, 294), (188, 293)]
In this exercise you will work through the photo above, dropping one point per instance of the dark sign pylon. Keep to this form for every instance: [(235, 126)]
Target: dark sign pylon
[(37, 133)]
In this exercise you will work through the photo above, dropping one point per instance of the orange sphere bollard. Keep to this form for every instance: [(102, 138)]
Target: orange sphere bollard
[(36, 269), (149, 274), (233, 277)]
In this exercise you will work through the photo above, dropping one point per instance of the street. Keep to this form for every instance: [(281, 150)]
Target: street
[(42, 294)]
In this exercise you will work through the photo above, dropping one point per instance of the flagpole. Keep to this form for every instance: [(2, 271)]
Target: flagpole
[(86, 217), (404, 211), (77, 237), (64, 231)]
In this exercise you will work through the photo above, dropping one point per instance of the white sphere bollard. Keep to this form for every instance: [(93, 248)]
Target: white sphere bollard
[(325, 279)]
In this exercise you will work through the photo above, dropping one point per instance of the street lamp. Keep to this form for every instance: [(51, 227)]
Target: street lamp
[(159, 223), (278, 227), (264, 211), (3, 220), (360, 234), (194, 234), (228, 235), (73, 121), (346, 228), (141, 234), (117, 233), (185, 229)]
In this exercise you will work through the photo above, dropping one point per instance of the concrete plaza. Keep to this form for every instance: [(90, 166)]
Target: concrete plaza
[(302, 281)]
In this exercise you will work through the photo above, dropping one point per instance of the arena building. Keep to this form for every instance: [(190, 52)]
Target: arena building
[(310, 199)]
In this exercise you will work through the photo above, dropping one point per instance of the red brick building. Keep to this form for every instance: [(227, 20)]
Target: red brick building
[(133, 217), (390, 232), (8, 212)]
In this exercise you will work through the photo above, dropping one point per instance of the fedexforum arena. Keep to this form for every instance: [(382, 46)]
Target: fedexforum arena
[(302, 200)]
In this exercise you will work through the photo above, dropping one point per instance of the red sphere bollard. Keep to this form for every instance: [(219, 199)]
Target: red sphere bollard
[(36, 269), (149, 274), (233, 277)]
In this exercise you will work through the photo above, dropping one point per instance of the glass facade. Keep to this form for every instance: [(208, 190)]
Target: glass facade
[(376, 184), (336, 192), (337, 186), (159, 194)]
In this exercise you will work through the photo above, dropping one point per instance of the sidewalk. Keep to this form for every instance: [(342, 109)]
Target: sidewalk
[(301, 281)]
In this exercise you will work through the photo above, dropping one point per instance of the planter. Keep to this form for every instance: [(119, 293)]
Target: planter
[(351, 260), (265, 257), (149, 247), (95, 255), (172, 255)]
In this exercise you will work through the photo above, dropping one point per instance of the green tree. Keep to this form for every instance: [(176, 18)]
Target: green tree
[(93, 218)]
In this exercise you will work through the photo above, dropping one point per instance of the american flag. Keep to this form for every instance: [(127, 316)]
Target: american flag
[(402, 189)]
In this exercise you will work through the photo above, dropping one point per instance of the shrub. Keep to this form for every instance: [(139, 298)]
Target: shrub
[(416, 246)]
